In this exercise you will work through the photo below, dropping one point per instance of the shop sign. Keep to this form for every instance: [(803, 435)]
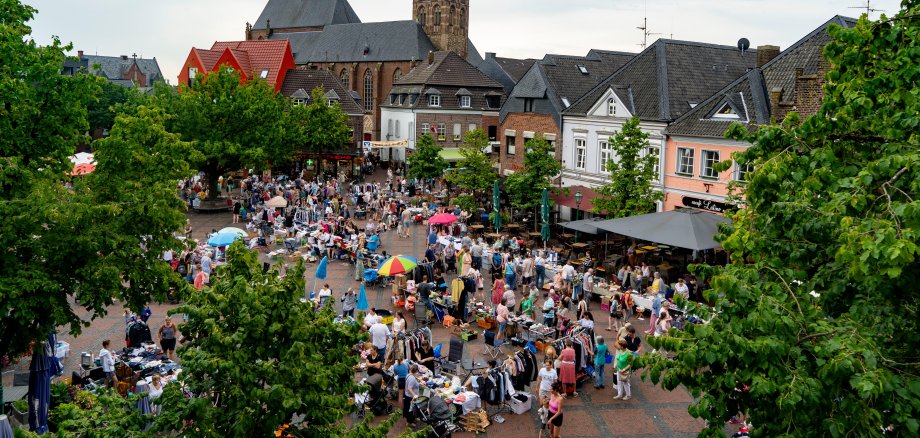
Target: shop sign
[(705, 204)]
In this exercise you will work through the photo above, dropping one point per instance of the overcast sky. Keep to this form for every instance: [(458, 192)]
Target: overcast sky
[(168, 29)]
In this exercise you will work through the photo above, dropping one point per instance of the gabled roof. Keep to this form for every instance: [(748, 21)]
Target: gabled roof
[(307, 80), (114, 67), (754, 87), (305, 13), (660, 82), (506, 71), (255, 56), (561, 79), (208, 58), (447, 69)]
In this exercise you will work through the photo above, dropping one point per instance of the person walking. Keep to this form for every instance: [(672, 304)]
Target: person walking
[(539, 267), (546, 377), (412, 392), (167, 336), (555, 410), (623, 369), (600, 360)]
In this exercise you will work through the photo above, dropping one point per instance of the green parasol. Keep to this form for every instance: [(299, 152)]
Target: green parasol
[(544, 216), (496, 208)]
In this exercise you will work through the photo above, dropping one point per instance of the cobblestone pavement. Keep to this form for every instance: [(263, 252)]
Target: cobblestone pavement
[(652, 412)]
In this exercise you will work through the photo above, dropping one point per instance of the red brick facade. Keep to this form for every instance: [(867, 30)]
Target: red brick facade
[(539, 124), (450, 138)]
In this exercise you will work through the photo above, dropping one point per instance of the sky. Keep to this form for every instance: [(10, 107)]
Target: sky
[(168, 29)]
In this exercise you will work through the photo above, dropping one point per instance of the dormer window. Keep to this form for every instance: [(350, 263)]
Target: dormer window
[(331, 102), (434, 100), (611, 107), (726, 112), (583, 69), (465, 102), (299, 101), (264, 73), (565, 101)]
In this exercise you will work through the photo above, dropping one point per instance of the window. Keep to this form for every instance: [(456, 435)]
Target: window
[(389, 128), (192, 73), (442, 132), (426, 129), (368, 91), (397, 74), (492, 101), (264, 73), (611, 107), (451, 16), (583, 69), (299, 101), (726, 112), (465, 102), (397, 129), (742, 171), (528, 105), (422, 16), (552, 147), (565, 101), (343, 78), (437, 18), (331, 102), (685, 161), (509, 145), (457, 133), (710, 159), (472, 127), (434, 100), (580, 152), (653, 151), (493, 133), (606, 154)]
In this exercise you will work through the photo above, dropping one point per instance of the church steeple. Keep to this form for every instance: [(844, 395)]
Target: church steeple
[(446, 22)]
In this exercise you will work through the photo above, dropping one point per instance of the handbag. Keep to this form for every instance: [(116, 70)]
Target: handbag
[(608, 358)]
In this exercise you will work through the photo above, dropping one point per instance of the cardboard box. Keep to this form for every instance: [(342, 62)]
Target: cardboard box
[(521, 403)]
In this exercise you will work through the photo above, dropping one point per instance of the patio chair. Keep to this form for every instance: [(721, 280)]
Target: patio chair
[(492, 347), (422, 318)]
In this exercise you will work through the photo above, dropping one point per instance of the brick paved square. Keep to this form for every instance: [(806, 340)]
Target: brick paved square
[(678, 420), (656, 395), (630, 422), (578, 423)]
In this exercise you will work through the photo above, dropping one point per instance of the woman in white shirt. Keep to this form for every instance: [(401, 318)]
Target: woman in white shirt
[(155, 390), (399, 324)]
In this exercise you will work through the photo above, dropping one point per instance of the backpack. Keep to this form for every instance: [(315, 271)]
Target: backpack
[(182, 270), (496, 260), (615, 310)]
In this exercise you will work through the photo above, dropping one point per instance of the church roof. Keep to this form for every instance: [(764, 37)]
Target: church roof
[(360, 42), (114, 67), (305, 13)]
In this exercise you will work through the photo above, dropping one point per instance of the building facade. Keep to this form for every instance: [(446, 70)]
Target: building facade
[(266, 60)]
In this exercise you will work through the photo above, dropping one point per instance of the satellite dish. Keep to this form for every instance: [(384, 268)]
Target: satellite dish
[(744, 44)]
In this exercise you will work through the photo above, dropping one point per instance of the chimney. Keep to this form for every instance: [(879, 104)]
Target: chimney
[(766, 53), (80, 54), (124, 57), (430, 57), (490, 55)]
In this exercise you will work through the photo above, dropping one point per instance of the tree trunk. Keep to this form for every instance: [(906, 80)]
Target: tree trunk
[(211, 173)]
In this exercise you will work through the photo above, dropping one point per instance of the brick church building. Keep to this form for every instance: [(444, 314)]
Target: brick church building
[(366, 57)]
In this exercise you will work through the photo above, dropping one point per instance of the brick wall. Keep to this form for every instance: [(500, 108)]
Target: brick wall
[(449, 119), (519, 122)]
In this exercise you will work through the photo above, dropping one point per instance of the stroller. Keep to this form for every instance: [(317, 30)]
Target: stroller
[(375, 397), (436, 413), (370, 277)]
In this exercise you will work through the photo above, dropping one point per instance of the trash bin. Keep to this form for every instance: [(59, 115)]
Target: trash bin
[(485, 219)]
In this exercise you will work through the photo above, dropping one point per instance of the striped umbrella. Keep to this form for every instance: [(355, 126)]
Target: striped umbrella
[(397, 265)]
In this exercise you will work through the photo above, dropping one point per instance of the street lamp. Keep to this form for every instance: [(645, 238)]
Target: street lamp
[(578, 197)]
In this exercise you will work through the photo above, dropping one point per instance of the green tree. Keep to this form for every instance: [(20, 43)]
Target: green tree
[(632, 173), (256, 357), (87, 242), (525, 186), (102, 110), (320, 127), (232, 124), (475, 171), (427, 161), (816, 311)]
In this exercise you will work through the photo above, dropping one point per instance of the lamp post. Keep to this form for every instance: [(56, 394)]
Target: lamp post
[(578, 196)]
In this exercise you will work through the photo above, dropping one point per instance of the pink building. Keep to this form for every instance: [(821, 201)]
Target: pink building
[(786, 81)]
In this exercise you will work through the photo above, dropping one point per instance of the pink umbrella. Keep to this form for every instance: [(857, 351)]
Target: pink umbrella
[(442, 218)]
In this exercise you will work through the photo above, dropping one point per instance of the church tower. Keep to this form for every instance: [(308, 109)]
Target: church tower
[(446, 22)]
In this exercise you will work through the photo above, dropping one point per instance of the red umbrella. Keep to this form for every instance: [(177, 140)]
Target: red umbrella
[(83, 169), (442, 218)]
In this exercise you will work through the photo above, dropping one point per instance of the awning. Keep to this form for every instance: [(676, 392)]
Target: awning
[(389, 144), (684, 228), (566, 196), (451, 155), (588, 226)]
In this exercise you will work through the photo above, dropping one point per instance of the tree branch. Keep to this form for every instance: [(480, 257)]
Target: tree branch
[(788, 288)]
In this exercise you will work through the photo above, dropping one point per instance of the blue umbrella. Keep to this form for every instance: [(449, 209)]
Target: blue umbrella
[(223, 239), (362, 299), (6, 431), (321, 268), (44, 365)]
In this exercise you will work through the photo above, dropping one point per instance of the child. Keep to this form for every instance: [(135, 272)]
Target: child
[(544, 416)]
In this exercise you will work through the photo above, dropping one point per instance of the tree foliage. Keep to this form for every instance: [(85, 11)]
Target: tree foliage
[(816, 312), (427, 161), (256, 357), (102, 110), (87, 242), (233, 124), (525, 186), (632, 174), (320, 127), (475, 171)]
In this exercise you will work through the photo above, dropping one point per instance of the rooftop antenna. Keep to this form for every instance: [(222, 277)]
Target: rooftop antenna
[(645, 32), (868, 7)]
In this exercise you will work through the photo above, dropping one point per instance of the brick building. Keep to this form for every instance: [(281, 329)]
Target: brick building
[(266, 60), (790, 80), (366, 57), (446, 97), (539, 97), (129, 71)]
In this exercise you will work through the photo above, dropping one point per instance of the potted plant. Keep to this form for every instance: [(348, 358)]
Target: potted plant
[(21, 412)]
